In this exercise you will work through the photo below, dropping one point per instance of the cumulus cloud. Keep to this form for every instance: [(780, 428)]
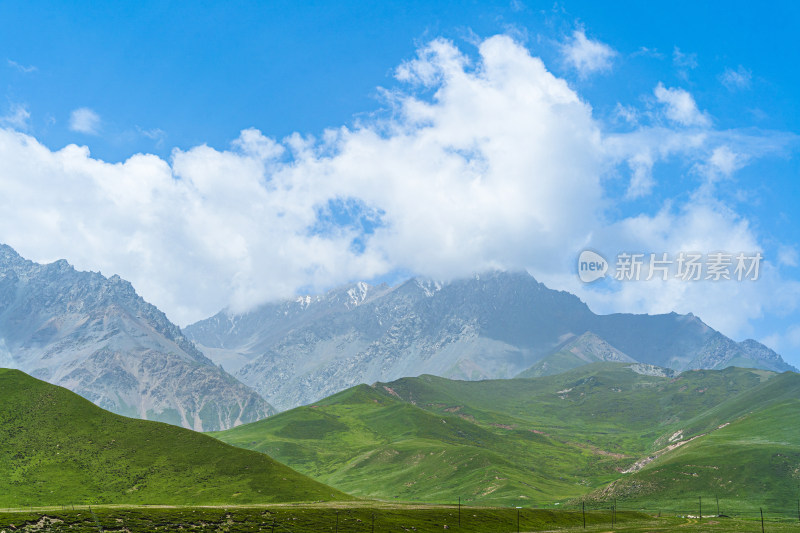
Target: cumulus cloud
[(680, 106), (84, 120), (736, 79), (475, 177), (489, 162), (587, 56)]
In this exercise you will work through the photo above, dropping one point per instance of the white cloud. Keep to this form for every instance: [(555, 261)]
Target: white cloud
[(475, 178), (17, 117), (155, 134), (499, 165), (641, 149), (647, 52), (439, 61), (586, 55), (84, 120), (627, 113), (736, 79), (21, 68), (682, 60), (642, 181), (700, 226), (784, 341), (724, 161), (787, 256), (680, 106)]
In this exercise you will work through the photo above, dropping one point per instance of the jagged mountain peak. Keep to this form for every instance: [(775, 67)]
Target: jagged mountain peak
[(591, 347), (10, 260), (60, 265), (63, 289), (8, 254), (99, 338), (429, 287), (351, 294), (574, 352), (759, 352)]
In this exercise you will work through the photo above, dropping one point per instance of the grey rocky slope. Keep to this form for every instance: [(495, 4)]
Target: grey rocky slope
[(98, 338), (494, 325), (575, 352)]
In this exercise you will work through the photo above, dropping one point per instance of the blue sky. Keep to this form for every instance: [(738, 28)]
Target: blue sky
[(201, 72), (296, 145)]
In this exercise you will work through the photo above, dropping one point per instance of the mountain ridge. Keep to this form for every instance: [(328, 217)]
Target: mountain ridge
[(493, 325), (575, 352), (99, 338)]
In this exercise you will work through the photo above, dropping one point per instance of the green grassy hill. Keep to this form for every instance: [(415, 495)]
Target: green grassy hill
[(751, 458), (607, 405), (57, 448), (382, 447), (509, 442)]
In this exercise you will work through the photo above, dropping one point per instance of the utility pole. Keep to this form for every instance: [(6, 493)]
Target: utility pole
[(583, 509), (459, 511), (613, 513), (700, 499)]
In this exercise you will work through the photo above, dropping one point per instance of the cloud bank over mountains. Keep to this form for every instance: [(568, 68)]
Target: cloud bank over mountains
[(478, 161)]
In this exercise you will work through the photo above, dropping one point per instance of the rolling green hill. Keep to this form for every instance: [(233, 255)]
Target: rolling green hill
[(57, 448), (383, 447), (510, 442), (612, 406), (751, 457)]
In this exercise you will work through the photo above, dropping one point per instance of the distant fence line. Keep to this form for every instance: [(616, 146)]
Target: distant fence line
[(785, 509), (588, 513)]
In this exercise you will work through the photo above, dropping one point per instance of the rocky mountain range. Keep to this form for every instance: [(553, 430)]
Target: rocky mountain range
[(494, 325), (95, 336)]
